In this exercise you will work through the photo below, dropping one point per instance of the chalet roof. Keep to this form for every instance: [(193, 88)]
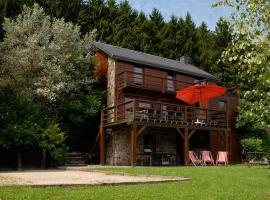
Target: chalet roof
[(151, 60)]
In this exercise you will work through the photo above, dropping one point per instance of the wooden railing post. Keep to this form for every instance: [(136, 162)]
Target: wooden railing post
[(134, 109), (161, 112), (133, 146), (185, 115), (125, 78), (163, 85), (115, 114), (206, 113), (227, 119)]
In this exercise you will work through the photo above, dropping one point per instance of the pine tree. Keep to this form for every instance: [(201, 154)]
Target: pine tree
[(169, 38), (204, 57), (223, 36), (189, 38), (155, 29)]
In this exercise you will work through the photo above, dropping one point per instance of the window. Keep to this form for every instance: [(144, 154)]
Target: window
[(222, 105), (138, 76), (170, 81), (199, 82)]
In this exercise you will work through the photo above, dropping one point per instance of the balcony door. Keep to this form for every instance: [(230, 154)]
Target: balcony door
[(138, 76)]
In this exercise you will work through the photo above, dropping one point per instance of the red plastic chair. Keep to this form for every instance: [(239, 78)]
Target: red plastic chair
[(194, 160), (207, 158), (222, 158)]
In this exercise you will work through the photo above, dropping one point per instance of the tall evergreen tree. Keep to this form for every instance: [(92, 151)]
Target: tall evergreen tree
[(204, 57), (189, 38), (223, 36), (155, 29), (123, 26)]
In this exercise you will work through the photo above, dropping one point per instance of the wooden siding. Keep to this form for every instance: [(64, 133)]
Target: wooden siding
[(153, 78)]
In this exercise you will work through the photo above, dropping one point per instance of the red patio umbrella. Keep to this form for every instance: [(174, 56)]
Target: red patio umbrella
[(197, 93)]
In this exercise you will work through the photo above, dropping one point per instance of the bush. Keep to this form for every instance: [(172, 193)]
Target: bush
[(251, 144), (52, 139)]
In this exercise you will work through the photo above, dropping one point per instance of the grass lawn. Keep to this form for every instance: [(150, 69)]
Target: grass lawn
[(232, 183)]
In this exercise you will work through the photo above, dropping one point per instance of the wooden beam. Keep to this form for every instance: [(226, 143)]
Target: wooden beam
[(186, 147), (141, 130), (191, 133), (102, 145), (222, 135), (180, 132), (133, 145)]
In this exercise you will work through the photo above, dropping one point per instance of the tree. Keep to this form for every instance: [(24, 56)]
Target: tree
[(45, 57), (189, 38), (204, 57), (223, 36), (42, 59), (249, 56), (21, 122), (154, 33)]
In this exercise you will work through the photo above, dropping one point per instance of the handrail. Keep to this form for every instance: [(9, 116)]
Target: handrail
[(178, 105), (151, 76), (132, 109), (109, 108)]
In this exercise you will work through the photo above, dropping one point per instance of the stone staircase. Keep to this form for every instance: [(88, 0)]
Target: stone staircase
[(75, 159)]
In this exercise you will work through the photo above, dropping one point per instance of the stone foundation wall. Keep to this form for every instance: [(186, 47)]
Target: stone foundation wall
[(118, 146)]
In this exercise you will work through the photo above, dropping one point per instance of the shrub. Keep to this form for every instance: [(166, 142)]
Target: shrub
[(251, 144)]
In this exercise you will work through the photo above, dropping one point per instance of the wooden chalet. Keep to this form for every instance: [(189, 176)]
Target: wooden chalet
[(144, 124)]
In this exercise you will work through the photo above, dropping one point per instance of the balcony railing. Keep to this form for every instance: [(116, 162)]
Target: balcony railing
[(163, 113), (150, 82)]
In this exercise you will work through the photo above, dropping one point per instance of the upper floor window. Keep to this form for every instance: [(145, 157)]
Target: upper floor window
[(138, 76), (170, 81), (222, 105), (199, 82)]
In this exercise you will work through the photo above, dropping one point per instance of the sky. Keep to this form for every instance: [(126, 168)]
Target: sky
[(200, 10)]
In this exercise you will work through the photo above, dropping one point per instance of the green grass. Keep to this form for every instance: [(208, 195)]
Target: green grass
[(232, 183)]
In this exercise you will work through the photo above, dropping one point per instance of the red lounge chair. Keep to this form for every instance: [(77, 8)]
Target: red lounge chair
[(222, 158), (207, 158), (193, 158)]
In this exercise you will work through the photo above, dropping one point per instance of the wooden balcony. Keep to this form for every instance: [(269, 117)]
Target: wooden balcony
[(129, 79), (164, 115)]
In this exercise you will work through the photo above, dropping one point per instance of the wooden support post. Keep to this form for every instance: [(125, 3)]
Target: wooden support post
[(227, 146), (102, 140), (133, 156), (226, 136), (102, 145), (186, 147)]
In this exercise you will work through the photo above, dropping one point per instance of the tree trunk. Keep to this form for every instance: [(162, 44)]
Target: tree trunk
[(19, 160), (43, 158)]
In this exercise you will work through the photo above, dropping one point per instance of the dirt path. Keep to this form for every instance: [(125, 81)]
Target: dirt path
[(76, 178)]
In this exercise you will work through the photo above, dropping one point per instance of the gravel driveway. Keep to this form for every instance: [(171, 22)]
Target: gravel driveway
[(76, 178)]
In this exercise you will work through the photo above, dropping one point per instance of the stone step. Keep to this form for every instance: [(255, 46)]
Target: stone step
[(71, 154), (76, 159)]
